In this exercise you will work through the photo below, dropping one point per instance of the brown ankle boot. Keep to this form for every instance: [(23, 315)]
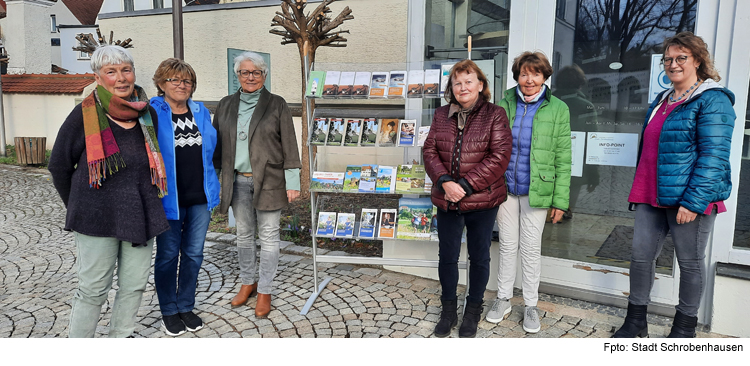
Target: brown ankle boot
[(263, 307), (245, 292)]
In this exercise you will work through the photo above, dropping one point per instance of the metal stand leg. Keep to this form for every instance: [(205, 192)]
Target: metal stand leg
[(314, 296)]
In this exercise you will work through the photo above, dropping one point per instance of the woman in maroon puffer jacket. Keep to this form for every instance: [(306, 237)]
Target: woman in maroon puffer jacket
[(466, 154)]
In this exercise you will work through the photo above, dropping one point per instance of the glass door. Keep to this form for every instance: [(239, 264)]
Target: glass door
[(605, 58)]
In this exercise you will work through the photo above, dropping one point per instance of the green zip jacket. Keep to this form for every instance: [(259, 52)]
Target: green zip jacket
[(550, 150)]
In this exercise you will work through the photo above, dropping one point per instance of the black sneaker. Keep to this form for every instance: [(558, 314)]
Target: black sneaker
[(192, 322), (173, 325)]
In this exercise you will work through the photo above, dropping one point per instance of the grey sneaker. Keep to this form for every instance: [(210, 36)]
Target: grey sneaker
[(499, 310), (531, 320)]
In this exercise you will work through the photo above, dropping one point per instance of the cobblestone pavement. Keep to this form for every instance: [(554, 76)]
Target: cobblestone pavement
[(37, 279)]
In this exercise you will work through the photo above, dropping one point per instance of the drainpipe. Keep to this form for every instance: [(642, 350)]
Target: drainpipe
[(179, 51)]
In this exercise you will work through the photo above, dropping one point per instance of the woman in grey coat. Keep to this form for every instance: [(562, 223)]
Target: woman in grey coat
[(259, 161)]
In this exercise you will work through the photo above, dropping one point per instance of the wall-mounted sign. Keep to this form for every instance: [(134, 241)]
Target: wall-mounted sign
[(606, 148), (659, 80)]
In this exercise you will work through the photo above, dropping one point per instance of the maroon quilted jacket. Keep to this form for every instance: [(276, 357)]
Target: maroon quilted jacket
[(482, 149)]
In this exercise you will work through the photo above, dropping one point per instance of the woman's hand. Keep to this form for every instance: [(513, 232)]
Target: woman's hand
[(291, 195), (556, 215), (453, 191), (685, 216)]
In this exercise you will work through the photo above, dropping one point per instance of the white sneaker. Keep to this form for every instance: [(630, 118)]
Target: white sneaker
[(531, 320), (499, 311)]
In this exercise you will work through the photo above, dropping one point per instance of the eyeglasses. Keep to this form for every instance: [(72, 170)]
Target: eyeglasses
[(246, 73), (667, 61), (177, 82)]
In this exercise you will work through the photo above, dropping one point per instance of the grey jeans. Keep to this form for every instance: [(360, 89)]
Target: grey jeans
[(651, 227), (247, 217), (95, 261)]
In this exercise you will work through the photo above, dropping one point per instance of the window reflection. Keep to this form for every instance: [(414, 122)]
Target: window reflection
[(742, 223), (612, 51)]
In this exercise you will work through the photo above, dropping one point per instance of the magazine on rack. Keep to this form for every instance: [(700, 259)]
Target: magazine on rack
[(315, 84), (351, 178), (410, 179), (326, 223), (388, 132), (346, 84), (327, 182), (397, 84), (414, 217), (320, 131), (361, 84), (431, 83), (387, 226), (367, 178), (406, 136), (386, 181), (367, 223), (369, 132), (379, 85), (345, 225), (335, 132), (331, 84), (353, 132), (434, 225), (416, 84)]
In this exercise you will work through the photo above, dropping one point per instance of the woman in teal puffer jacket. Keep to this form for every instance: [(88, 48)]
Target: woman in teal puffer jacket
[(682, 178), (538, 177)]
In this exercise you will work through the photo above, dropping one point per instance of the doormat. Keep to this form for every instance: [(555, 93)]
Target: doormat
[(620, 241)]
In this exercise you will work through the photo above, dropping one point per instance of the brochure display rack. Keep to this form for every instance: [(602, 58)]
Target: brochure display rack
[(369, 151)]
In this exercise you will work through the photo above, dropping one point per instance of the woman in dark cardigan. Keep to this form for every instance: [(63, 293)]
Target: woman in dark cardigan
[(108, 170)]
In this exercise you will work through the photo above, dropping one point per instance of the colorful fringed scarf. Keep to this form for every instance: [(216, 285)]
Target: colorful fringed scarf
[(102, 153)]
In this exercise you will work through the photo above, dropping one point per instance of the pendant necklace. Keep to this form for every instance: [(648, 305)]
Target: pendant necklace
[(242, 135)]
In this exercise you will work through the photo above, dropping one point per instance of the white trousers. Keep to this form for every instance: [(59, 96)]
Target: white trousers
[(521, 227)]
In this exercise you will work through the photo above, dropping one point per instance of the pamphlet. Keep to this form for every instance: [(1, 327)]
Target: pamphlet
[(361, 87), (327, 182), (368, 178), (386, 181), (424, 131), (367, 223), (320, 131), (397, 84), (331, 84), (336, 132), (379, 84), (414, 218), (388, 132), (431, 83), (416, 84), (315, 84), (345, 225), (369, 132), (406, 132), (326, 223), (346, 84), (352, 177), (353, 131), (387, 226)]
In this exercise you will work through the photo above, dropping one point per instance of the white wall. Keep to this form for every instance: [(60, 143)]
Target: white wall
[(27, 36), (44, 120), (729, 302), (208, 34)]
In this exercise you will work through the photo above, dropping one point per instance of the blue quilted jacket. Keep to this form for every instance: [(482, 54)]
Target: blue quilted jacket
[(693, 167)]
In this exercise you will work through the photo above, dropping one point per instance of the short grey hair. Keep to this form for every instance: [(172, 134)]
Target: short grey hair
[(253, 57), (110, 55)]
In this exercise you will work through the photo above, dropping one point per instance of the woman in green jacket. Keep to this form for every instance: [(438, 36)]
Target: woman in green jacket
[(538, 177)]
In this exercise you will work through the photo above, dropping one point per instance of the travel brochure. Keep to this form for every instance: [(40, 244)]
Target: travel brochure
[(367, 132), (417, 83), (370, 178), (414, 218)]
